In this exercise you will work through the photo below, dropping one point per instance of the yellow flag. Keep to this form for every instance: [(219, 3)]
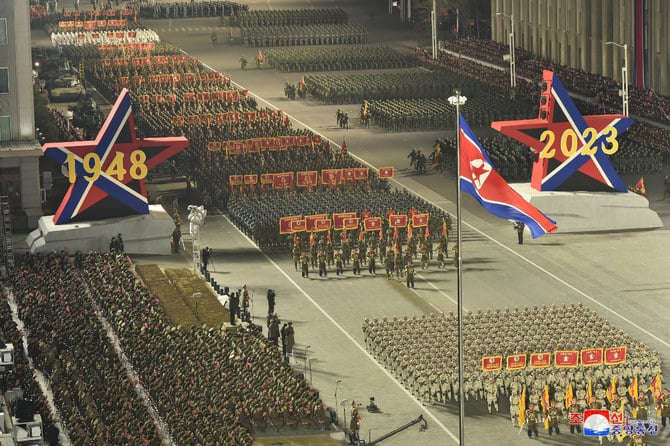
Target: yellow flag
[(522, 407), (568, 396), (545, 405)]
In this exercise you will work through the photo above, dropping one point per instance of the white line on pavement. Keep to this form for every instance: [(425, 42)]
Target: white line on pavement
[(345, 333), (500, 244)]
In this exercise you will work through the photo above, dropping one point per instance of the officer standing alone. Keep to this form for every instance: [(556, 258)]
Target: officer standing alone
[(271, 296), (519, 227)]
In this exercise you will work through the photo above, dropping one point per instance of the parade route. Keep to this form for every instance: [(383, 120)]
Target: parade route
[(622, 276)]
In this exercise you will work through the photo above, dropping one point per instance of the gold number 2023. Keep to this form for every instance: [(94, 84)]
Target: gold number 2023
[(93, 166), (570, 142)]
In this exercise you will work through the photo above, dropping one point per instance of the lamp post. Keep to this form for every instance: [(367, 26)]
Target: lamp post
[(433, 29), (624, 75), (512, 61), (458, 100)]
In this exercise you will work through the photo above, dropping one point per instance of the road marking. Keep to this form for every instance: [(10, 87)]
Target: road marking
[(440, 291), (500, 244), (344, 332)]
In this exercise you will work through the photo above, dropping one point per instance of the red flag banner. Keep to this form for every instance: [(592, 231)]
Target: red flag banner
[(283, 180), (491, 363), (285, 223), (322, 224), (298, 225), (372, 223), (252, 145), (331, 176), (386, 172), (302, 140), (566, 358), (398, 220), (516, 362), (540, 360), (214, 146), (351, 222), (307, 178), (361, 173), (251, 179), (615, 355), (338, 219), (235, 148), (287, 141), (348, 174), (312, 219), (236, 180), (591, 357), (267, 178), (420, 220)]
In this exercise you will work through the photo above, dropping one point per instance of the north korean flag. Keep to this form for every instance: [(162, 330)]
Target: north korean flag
[(480, 179)]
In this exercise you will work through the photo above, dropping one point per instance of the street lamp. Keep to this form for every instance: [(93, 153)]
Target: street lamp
[(512, 62), (624, 75), (458, 100)]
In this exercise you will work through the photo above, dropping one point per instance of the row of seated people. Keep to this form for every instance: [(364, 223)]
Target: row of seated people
[(642, 102), (207, 385), (19, 378)]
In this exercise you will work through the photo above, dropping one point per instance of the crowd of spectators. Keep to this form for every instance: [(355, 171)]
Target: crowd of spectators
[(642, 102), (205, 385)]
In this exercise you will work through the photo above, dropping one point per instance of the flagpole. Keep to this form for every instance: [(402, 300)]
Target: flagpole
[(459, 100)]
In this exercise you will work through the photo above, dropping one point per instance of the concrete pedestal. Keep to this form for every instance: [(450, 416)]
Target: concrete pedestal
[(142, 234), (593, 211)]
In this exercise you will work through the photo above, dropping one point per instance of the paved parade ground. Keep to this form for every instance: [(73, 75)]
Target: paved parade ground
[(621, 276)]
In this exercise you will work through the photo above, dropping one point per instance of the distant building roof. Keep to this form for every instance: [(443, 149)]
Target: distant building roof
[(19, 148)]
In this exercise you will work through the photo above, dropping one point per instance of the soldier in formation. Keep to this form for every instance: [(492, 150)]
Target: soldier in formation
[(304, 264), (356, 262), (574, 408), (323, 271), (531, 418), (663, 404), (339, 263), (372, 265), (409, 274), (554, 414)]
